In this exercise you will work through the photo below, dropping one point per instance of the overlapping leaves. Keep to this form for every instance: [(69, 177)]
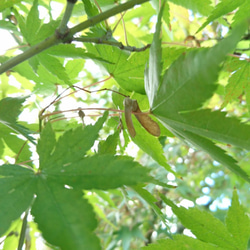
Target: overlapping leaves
[(185, 86), (211, 233), (63, 172), (9, 111)]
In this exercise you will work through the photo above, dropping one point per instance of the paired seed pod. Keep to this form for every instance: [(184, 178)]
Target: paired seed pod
[(150, 125)]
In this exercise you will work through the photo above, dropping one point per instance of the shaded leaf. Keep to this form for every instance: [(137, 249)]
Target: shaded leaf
[(214, 125), (9, 111), (109, 145), (70, 219), (100, 172), (17, 190)]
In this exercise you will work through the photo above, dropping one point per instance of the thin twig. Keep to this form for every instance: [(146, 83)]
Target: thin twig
[(20, 151), (111, 43), (96, 83)]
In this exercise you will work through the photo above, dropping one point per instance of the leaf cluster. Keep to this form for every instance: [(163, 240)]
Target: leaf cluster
[(85, 192)]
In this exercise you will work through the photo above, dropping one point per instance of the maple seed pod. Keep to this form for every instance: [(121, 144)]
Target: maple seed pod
[(129, 106), (150, 125)]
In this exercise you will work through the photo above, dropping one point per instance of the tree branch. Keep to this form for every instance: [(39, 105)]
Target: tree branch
[(67, 14), (67, 37)]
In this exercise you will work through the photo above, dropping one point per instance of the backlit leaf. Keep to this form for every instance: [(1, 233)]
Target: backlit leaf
[(181, 242), (204, 226), (204, 7), (239, 80), (238, 222), (221, 9), (71, 146)]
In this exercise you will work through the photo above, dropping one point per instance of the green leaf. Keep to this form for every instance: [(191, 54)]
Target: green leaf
[(73, 68), (238, 223), (71, 146), (239, 80), (70, 51), (93, 200), (90, 8), (9, 111), (242, 14), (217, 153), (221, 9), (204, 226), (203, 7), (126, 70), (197, 71), (14, 143), (17, 190), (214, 125), (46, 30), (181, 242), (33, 24), (109, 145), (150, 145), (25, 70), (190, 80), (45, 145), (54, 66), (153, 70), (151, 200), (8, 3), (99, 172), (64, 217), (46, 84)]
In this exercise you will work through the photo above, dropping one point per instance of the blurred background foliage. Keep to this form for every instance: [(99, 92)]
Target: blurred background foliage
[(126, 221)]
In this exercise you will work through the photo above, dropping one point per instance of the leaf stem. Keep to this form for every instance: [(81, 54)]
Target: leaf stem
[(62, 29)]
